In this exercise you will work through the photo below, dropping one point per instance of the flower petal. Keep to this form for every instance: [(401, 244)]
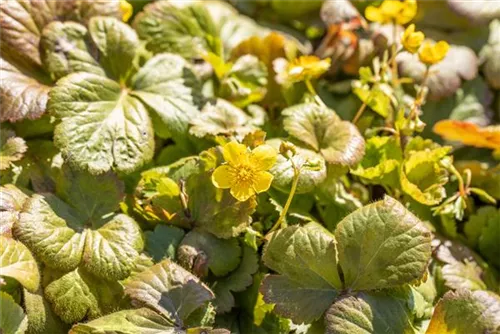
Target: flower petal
[(223, 177), (263, 157), (262, 181), (374, 14), (242, 191), (234, 153)]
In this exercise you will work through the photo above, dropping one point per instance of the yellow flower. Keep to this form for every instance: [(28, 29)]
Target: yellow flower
[(126, 9), (400, 12), (433, 53), (300, 69), (412, 40), (246, 171)]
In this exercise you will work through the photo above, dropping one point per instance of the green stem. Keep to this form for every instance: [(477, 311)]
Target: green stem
[(359, 113), (296, 174), (461, 184), (311, 90)]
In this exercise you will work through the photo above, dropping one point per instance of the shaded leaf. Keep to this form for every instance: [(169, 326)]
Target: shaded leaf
[(13, 319), (463, 275), (221, 118), (17, 262), (216, 210), (382, 245), (186, 29), (339, 142), (163, 242), (236, 281), (169, 290), (200, 251), (483, 230)]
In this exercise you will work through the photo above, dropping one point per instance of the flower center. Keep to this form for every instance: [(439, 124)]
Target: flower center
[(244, 173)]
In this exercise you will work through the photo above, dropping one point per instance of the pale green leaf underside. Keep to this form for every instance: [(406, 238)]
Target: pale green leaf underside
[(17, 262), (382, 245)]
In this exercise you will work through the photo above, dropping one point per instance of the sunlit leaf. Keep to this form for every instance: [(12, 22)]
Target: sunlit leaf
[(469, 133)]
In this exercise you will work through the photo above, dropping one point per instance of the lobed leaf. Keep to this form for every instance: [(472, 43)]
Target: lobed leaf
[(382, 245), (17, 262)]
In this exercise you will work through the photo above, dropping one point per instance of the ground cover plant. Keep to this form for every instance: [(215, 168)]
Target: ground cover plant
[(265, 166)]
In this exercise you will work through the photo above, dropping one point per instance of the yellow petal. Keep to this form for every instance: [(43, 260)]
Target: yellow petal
[(408, 12), (242, 191), (262, 181), (374, 14), (223, 177), (432, 54), (234, 153), (263, 157), (391, 8), (126, 9)]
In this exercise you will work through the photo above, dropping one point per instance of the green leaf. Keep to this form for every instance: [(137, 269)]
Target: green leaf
[(62, 239), (17, 262), (375, 98), (245, 82), (238, 280), (117, 43), (215, 210), (169, 290), (381, 162), (102, 126), (186, 29), (167, 85), (11, 202), (466, 311), (139, 321), (382, 245), (104, 121), (13, 319), (483, 230), (364, 313), (93, 197), (322, 130), (163, 242), (12, 148), (41, 318), (473, 228), (313, 169), (64, 50), (422, 176), (200, 251), (221, 118), (77, 294), (306, 258)]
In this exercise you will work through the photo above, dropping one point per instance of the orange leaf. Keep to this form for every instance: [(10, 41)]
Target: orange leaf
[(469, 133)]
